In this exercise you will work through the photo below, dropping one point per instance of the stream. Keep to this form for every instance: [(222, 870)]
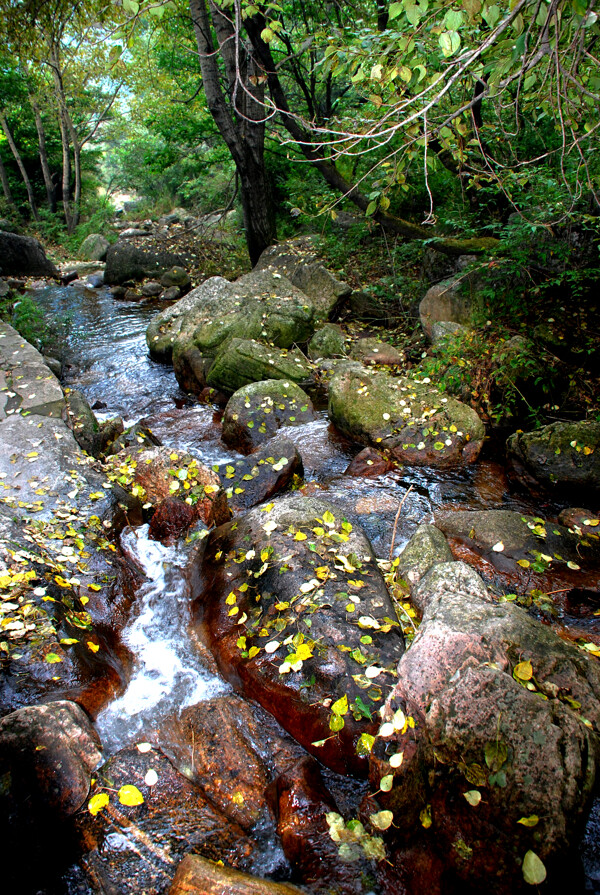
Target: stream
[(106, 358)]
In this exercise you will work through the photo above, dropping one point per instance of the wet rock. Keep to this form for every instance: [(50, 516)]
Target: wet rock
[(171, 520), (95, 280), (450, 300), (135, 849), (243, 361), (197, 876), (302, 806), (118, 292), (578, 518), (498, 702), (561, 455), (92, 436), (94, 248), (176, 276), (134, 436), (133, 295), (298, 260), (172, 293), (152, 288), (53, 364), (285, 618), (260, 305), (33, 387), (157, 473), (263, 475), (373, 351), (505, 537), (369, 463), (329, 341), (125, 261), (48, 754), (255, 412), (426, 548), (24, 256), (411, 420)]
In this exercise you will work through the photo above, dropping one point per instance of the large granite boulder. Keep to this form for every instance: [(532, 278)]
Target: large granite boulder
[(261, 305), (243, 361), (410, 419), (298, 260), (125, 261), (494, 718), (94, 248), (298, 615), (255, 412), (560, 456), (24, 256)]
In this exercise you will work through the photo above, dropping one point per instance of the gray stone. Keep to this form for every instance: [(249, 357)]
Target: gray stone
[(130, 232), (426, 548), (176, 276), (125, 261), (243, 361), (441, 329), (561, 455), (172, 293), (28, 385), (152, 288), (92, 436), (94, 248), (24, 256), (4, 288), (256, 412), (450, 300), (374, 351), (96, 280)]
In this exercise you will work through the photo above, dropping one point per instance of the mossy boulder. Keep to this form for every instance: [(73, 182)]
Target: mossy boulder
[(243, 361), (256, 411), (561, 455), (410, 419), (329, 341)]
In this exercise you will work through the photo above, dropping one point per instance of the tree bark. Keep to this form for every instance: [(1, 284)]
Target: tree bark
[(6, 185), (50, 187), (239, 116), (19, 161), (67, 135)]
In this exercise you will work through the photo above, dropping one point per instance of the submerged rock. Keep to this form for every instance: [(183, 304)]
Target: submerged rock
[(310, 634), (369, 463), (411, 420), (255, 412), (507, 714), (560, 456)]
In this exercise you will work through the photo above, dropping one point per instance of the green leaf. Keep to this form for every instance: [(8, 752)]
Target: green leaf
[(394, 11), (371, 208), (491, 14), (340, 706), (534, 872), (449, 42)]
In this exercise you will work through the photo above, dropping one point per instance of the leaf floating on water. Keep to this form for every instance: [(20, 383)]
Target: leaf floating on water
[(272, 646), (151, 778), (473, 797), (396, 759), (130, 795), (386, 783), (382, 820), (534, 872), (52, 658), (98, 802)]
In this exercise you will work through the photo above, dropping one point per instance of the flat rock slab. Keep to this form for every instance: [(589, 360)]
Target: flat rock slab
[(298, 613), (27, 385), (410, 419)]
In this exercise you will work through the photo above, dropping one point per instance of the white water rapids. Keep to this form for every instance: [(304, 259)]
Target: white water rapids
[(167, 675)]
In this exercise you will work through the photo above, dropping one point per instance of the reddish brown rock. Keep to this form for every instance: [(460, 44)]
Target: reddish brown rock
[(302, 806), (159, 473), (370, 463), (136, 849), (296, 611), (171, 519), (264, 474), (196, 876)]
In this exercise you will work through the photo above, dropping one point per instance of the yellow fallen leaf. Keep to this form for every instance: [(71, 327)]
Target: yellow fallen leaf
[(130, 795), (523, 671), (98, 802)]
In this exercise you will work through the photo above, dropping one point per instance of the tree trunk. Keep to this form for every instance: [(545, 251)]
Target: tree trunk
[(19, 161), (5, 185), (239, 116), (71, 213), (50, 188)]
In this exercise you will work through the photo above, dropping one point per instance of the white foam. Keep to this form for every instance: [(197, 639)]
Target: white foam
[(167, 675)]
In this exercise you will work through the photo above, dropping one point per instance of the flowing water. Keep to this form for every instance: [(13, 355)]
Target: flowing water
[(106, 357)]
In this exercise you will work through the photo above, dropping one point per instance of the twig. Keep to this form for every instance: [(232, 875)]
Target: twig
[(396, 520)]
